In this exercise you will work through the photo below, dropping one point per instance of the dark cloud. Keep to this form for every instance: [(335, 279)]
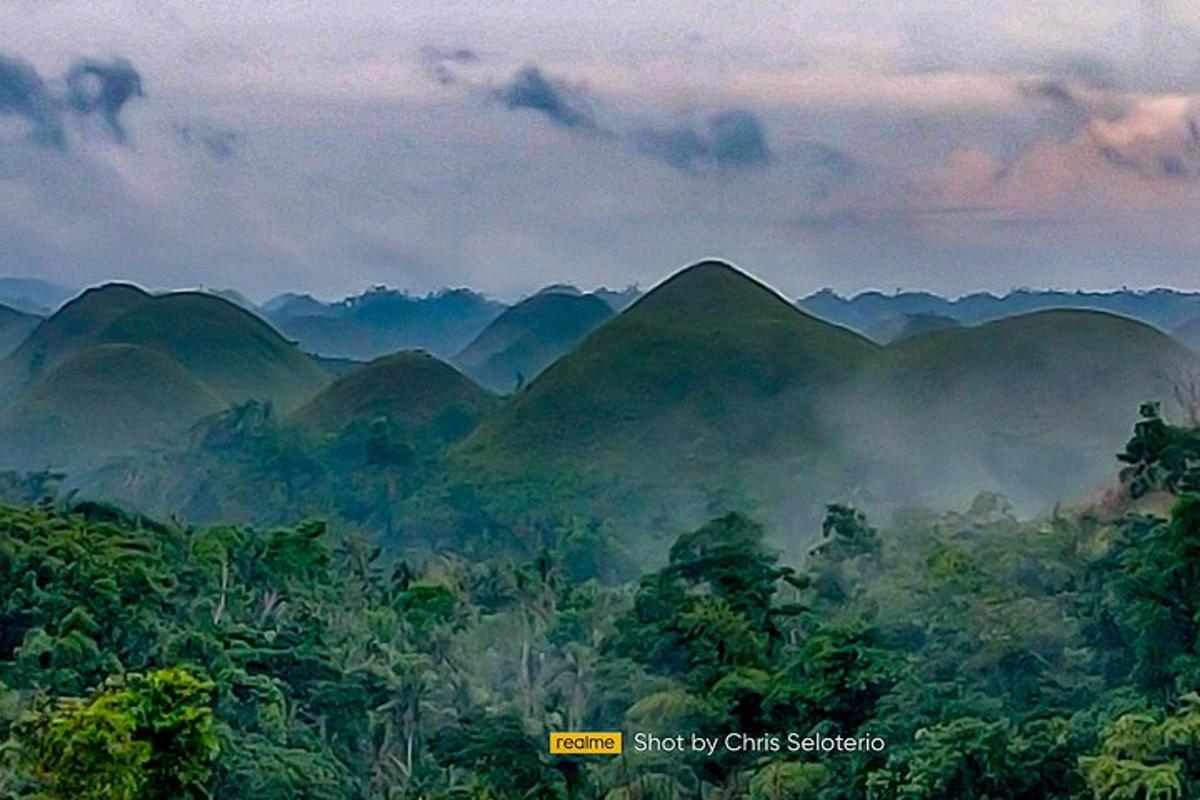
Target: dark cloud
[(219, 143), (738, 139), (680, 148), (24, 93), (530, 89), (731, 139), (97, 87), (436, 62)]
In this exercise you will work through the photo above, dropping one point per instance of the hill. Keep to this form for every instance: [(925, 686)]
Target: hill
[(383, 321), (1032, 406), (65, 332), (107, 399), (905, 326), (232, 351), (702, 389), (414, 390), (15, 326), (531, 335)]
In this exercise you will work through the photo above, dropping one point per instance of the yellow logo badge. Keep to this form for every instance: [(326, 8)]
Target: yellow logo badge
[(586, 743)]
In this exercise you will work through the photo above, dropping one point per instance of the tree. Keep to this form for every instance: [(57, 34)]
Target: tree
[(148, 737)]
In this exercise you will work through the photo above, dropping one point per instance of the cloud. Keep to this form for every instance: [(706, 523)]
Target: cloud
[(219, 143), (24, 93), (530, 89), (730, 139), (436, 62), (738, 139), (103, 88), (680, 147)]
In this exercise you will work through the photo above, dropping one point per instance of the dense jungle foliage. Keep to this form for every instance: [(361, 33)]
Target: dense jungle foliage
[(998, 658)]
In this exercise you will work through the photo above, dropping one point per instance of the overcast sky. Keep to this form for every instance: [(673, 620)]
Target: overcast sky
[(951, 145)]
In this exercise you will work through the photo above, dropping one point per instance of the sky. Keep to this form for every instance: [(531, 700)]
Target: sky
[(948, 145)]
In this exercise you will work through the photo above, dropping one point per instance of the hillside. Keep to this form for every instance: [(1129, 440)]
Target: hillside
[(905, 326), (108, 399), (1032, 406), (65, 332), (702, 389), (383, 321), (531, 335), (413, 390), (15, 326), (232, 351)]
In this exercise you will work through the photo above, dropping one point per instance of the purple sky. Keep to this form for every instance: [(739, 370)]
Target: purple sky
[(948, 145)]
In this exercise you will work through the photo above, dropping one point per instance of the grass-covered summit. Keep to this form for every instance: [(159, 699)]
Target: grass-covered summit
[(411, 389)]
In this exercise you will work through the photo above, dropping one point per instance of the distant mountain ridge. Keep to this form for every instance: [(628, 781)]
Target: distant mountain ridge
[(383, 321), (1166, 309)]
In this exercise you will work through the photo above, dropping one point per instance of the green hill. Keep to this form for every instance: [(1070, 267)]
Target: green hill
[(1032, 406), (15, 326), (905, 326), (239, 356), (108, 399), (414, 390), (64, 333), (530, 336), (703, 389)]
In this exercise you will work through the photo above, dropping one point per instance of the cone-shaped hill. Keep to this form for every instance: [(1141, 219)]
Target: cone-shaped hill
[(702, 389), (685, 364), (1033, 406), (412, 389), (117, 354), (530, 336), (62, 334), (238, 355)]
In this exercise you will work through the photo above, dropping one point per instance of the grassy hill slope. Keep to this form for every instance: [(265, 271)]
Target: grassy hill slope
[(1033, 406), (702, 390), (64, 333), (412, 389), (235, 353), (107, 399), (531, 335)]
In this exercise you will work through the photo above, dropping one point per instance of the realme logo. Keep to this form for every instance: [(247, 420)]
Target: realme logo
[(607, 743)]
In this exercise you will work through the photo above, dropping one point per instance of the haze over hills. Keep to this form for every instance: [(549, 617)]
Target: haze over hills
[(531, 335), (709, 392), (1032, 406)]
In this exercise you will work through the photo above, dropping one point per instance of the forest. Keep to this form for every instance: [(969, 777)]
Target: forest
[(1056, 657)]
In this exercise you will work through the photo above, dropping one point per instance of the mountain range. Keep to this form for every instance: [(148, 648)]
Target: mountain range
[(709, 392)]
